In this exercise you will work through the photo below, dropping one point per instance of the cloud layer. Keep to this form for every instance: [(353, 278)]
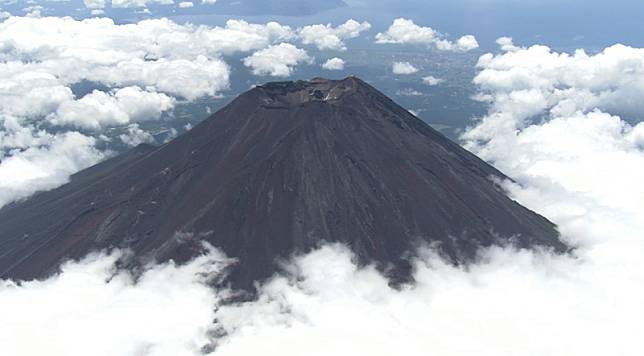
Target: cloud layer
[(149, 53), (93, 307)]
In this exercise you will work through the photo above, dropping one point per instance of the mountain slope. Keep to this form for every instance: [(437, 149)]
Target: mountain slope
[(280, 169)]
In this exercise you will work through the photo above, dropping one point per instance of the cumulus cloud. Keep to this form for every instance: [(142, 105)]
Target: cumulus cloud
[(30, 93), (169, 310), (334, 64), (190, 79), (34, 11), (45, 161), (408, 92), (526, 83), (403, 68), (432, 81), (155, 52), (464, 44), (329, 37), (138, 3), (98, 109), (94, 4), (404, 31), (506, 44), (64, 51), (136, 136), (277, 61), (241, 36), (564, 112), (186, 4)]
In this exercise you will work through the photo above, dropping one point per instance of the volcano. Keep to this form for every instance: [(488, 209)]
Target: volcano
[(283, 168)]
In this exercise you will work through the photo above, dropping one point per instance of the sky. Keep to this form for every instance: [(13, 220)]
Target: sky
[(546, 91)]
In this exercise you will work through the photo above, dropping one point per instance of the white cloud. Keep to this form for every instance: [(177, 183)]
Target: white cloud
[(506, 44), (98, 109), (466, 43), (432, 81), (208, 1), (404, 31), (523, 83), (94, 4), (30, 93), (138, 3), (332, 38), (403, 68), (186, 4), (154, 52), (136, 136), (100, 41), (579, 99), (34, 11), (276, 61), (408, 92), (497, 305), (128, 3), (188, 78), (46, 162), (91, 305), (334, 64), (241, 36)]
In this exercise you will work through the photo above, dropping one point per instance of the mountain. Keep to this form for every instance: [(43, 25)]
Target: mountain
[(282, 168)]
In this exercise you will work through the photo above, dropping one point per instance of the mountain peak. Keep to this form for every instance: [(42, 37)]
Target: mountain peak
[(304, 91)]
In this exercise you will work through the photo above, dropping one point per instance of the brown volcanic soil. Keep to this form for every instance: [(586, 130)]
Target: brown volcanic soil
[(280, 169)]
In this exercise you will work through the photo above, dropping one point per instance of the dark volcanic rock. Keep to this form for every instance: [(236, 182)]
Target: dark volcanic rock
[(280, 169)]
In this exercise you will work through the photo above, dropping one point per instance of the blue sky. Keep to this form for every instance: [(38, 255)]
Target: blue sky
[(559, 23), (562, 23)]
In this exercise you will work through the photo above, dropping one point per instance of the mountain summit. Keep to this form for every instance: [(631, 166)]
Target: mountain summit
[(282, 168)]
